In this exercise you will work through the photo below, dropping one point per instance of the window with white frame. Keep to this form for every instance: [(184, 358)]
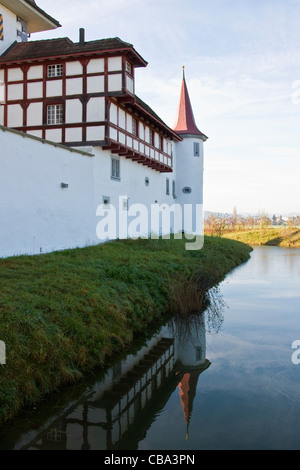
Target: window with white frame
[(55, 70), (55, 114), (115, 168)]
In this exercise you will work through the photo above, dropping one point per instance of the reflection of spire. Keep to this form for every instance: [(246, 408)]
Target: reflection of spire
[(187, 392)]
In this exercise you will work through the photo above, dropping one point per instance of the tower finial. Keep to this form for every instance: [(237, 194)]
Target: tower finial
[(183, 72)]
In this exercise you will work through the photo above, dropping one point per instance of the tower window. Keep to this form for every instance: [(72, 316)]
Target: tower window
[(55, 70), (196, 149), (55, 114), (173, 189)]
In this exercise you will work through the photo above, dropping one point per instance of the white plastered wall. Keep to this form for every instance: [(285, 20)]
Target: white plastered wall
[(9, 28), (189, 171), (139, 184), (36, 213)]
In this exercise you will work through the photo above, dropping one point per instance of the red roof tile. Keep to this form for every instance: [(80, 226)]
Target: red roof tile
[(185, 121)]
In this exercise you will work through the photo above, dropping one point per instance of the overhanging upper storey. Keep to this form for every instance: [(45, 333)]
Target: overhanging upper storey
[(136, 132), (82, 94), (37, 19)]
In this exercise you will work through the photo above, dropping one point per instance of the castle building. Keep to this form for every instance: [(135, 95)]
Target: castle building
[(101, 143)]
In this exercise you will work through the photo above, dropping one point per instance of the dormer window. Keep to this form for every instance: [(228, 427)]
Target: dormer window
[(55, 70)]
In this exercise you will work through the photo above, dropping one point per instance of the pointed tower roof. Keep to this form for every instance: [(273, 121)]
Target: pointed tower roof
[(185, 121)]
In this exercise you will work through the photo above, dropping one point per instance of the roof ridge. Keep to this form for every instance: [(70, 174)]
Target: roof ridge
[(45, 40)]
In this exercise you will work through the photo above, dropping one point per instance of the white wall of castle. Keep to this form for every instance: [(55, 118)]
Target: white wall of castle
[(36, 213)]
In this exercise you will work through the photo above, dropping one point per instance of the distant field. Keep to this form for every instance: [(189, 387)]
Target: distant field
[(274, 236)]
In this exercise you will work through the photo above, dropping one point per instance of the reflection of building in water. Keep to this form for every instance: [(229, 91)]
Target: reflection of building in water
[(191, 356), (117, 412)]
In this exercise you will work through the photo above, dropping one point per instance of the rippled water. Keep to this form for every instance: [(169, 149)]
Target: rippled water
[(220, 380)]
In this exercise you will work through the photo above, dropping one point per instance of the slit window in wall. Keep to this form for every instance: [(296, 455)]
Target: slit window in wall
[(55, 114), (55, 70), (196, 149), (167, 186), (106, 201), (147, 181), (174, 189), (115, 168)]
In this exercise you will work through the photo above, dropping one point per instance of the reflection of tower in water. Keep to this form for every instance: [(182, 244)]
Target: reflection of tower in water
[(117, 412), (190, 347)]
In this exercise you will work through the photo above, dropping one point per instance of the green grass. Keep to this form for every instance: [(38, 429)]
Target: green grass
[(64, 313), (274, 236)]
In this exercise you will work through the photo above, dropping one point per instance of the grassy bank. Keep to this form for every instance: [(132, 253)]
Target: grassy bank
[(63, 314), (273, 236)]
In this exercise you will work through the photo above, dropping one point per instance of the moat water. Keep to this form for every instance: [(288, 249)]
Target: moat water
[(225, 379)]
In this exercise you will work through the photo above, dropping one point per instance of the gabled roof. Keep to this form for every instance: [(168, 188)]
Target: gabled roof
[(64, 47), (185, 121)]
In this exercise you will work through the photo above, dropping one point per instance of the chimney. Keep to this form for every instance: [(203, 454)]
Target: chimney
[(81, 37)]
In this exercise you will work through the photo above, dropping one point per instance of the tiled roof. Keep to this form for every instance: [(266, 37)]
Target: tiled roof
[(148, 110), (65, 47), (185, 122)]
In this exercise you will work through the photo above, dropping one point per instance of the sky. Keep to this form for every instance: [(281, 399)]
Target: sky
[(242, 67)]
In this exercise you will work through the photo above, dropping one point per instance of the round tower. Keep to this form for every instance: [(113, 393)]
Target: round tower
[(189, 160)]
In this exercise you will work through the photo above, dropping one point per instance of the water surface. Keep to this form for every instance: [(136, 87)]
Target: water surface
[(220, 380)]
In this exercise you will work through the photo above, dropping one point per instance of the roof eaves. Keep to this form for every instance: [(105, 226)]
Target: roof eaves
[(37, 8), (142, 106)]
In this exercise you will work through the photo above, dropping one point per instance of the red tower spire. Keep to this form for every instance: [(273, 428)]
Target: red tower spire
[(185, 122)]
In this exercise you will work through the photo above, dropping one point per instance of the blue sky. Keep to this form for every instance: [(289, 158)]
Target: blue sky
[(242, 62)]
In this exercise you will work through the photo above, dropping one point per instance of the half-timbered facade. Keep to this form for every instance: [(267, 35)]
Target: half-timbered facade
[(81, 94)]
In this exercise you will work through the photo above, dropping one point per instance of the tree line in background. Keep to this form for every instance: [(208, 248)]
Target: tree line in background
[(215, 225)]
